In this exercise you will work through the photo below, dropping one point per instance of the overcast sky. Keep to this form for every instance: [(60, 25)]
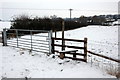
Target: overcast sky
[(11, 8)]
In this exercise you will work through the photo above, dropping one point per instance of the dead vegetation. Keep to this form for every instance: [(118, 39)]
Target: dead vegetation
[(114, 71)]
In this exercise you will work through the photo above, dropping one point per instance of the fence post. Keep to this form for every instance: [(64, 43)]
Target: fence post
[(31, 40), (4, 36), (63, 41), (85, 49), (53, 48), (50, 41), (55, 34), (17, 37)]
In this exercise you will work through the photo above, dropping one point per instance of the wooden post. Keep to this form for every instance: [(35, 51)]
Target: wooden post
[(85, 49), (16, 36), (63, 41), (53, 49), (31, 41), (4, 37), (62, 55), (50, 41), (74, 55), (55, 34)]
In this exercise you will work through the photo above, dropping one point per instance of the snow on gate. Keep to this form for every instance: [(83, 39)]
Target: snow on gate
[(33, 40)]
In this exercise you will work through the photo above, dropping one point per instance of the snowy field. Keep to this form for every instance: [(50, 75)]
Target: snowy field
[(101, 39), (17, 63)]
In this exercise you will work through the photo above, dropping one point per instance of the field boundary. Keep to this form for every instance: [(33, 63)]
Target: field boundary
[(84, 48), (105, 57), (36, 40)]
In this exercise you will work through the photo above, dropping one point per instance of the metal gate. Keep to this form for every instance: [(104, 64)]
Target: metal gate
[(33, 40)]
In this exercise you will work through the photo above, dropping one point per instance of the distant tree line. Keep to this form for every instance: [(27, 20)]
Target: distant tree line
[(55, 24)]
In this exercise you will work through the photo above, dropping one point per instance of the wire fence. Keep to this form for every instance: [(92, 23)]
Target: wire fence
[(107, 49)]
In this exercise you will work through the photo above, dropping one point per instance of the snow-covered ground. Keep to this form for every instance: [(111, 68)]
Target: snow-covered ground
[(17, 65), (101, 39), (2, 25)]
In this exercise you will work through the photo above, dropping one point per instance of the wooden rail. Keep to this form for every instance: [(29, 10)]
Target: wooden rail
[(69, 40), (104, 56), (74, 47), (81, 54)]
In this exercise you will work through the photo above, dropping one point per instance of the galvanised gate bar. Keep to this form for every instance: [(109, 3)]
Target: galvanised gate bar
[(33, 40)]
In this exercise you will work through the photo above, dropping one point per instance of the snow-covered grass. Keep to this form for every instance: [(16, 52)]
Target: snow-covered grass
[(19, 65), (113, 71), (101, 39)]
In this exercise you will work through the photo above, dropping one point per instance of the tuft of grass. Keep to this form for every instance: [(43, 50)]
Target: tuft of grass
[(113, 71)]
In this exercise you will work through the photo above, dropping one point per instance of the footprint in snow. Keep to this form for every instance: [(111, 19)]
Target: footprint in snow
[(61, 70), (60, 63)]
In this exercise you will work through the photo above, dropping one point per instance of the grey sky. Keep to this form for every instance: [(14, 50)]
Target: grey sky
[(10, 8)]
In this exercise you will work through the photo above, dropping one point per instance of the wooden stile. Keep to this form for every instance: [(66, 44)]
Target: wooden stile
[(72, 52)]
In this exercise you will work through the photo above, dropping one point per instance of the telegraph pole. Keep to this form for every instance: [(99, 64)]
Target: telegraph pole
[(70, 16), (70, 13)]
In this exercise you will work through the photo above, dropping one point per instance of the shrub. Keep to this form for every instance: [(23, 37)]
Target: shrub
[(55, 24)]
